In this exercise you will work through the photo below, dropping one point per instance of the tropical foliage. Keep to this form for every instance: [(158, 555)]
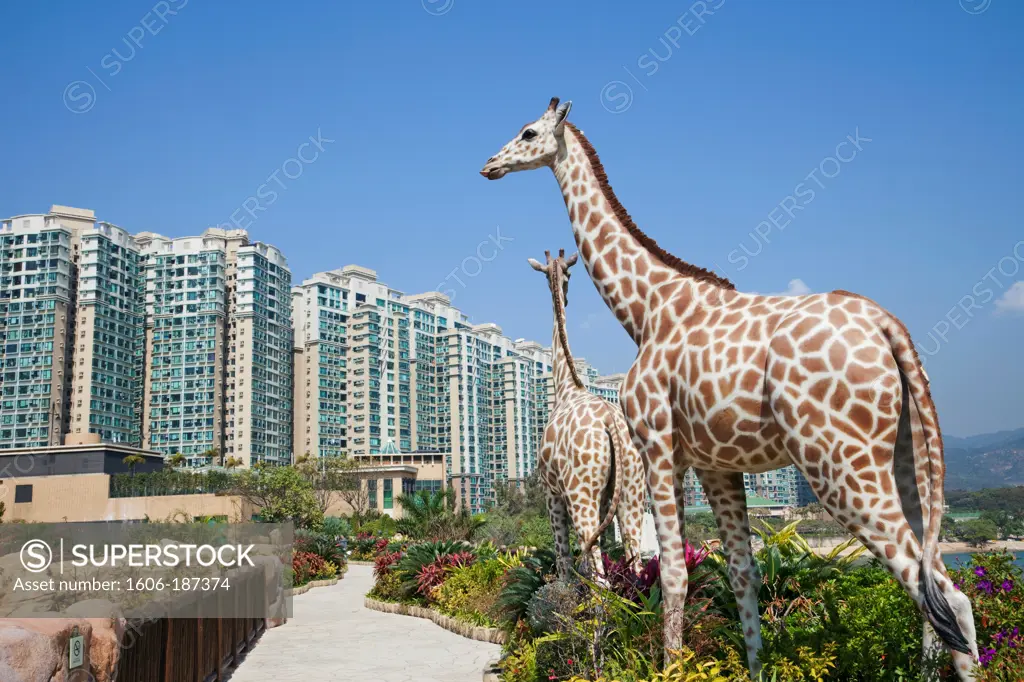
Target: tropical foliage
[(431, 515)]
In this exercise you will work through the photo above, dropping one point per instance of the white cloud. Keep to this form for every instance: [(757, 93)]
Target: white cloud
[(1012, 300), (796, 288), (593, 320)]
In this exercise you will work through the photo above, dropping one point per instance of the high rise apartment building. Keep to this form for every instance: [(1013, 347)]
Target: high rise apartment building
[(493, 409), (260, 394), (37, 281), (108, 337), (218, 378), (785, 486), (366, 365), (70, 330)]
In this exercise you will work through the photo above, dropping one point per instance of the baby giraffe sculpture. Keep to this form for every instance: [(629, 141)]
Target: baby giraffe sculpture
[(586, 444), (731, 383)]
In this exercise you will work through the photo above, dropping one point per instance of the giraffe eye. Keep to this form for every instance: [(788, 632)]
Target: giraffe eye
[(529, 134)]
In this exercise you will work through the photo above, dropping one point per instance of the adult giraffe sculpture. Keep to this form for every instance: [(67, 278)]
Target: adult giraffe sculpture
[(728, 382), (586, 445)]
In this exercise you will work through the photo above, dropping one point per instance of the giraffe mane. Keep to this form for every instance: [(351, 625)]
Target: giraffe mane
[(674, 262), (563, 338)]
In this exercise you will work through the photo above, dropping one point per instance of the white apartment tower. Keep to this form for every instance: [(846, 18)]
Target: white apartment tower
[(218, 379), (70, 330)]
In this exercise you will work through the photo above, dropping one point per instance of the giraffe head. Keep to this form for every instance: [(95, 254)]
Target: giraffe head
[(557, 272), (536, 145)]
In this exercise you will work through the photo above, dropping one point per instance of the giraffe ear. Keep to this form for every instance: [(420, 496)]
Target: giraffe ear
[(561, 112), (536, 265)]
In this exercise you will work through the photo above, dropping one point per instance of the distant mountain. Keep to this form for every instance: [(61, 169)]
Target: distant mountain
[(988, 460), (982, 440)]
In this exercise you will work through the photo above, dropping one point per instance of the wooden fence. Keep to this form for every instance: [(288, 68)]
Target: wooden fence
[(194, 649)]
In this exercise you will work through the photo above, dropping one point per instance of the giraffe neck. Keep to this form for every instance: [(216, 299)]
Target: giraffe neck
[(627, 267), (566, 378)]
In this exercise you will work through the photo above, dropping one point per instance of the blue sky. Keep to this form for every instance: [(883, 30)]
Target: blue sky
[(705, 125)]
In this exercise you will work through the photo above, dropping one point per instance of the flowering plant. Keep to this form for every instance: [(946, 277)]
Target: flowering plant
[(995, 587)]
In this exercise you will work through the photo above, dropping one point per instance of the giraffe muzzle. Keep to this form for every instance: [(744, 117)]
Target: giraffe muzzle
[(493, 172)]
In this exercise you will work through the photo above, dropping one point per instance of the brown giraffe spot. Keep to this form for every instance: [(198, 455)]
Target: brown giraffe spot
[(890, 552), (837, 355), (811, 413), (751, 380), (728, 453), (849, 430), (862, 418), (819, 389), (746, 442), (837, 318), (732, 318), (815, 343), (583, 211), (813, 363), (868, 355), (860, 463), (738, 333), (840, 396)]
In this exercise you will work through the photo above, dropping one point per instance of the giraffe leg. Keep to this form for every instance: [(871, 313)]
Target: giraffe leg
[(728, 501), (560, 529), (631, 510), (867, 504), (680, 486), (586, 519), (912, 485), (650, 426)]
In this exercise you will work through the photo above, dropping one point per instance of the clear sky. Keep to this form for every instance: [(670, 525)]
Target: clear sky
[(168, 122)]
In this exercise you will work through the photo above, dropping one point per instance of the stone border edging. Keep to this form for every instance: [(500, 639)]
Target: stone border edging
[(303, 589), (461, 628)]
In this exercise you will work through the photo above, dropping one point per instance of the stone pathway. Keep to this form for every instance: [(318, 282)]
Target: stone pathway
[(332, 636)]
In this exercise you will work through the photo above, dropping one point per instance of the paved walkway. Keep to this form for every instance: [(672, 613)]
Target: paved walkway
[(332, 636)]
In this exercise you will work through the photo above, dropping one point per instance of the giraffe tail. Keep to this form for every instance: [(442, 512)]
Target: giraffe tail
[(616, 445), (914, 379)]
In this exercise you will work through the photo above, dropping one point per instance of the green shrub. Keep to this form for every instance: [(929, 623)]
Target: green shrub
[(336, 527), (520, 665), (521, 583), (470, 592), (388, 587), (320, 543), (382, 526)]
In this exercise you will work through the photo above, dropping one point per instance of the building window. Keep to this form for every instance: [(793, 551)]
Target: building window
[(371, 489), (22, 493), (389, 502)]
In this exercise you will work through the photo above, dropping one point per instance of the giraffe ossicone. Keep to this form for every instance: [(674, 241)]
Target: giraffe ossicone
[(729, 383), (590, 470)]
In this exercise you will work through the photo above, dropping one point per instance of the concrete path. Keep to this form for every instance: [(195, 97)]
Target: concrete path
[(332, 636)]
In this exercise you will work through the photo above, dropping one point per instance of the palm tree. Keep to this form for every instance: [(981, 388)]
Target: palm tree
[(133, 461), (175, 460), (423, 506), (212, 454), (232, 462)]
